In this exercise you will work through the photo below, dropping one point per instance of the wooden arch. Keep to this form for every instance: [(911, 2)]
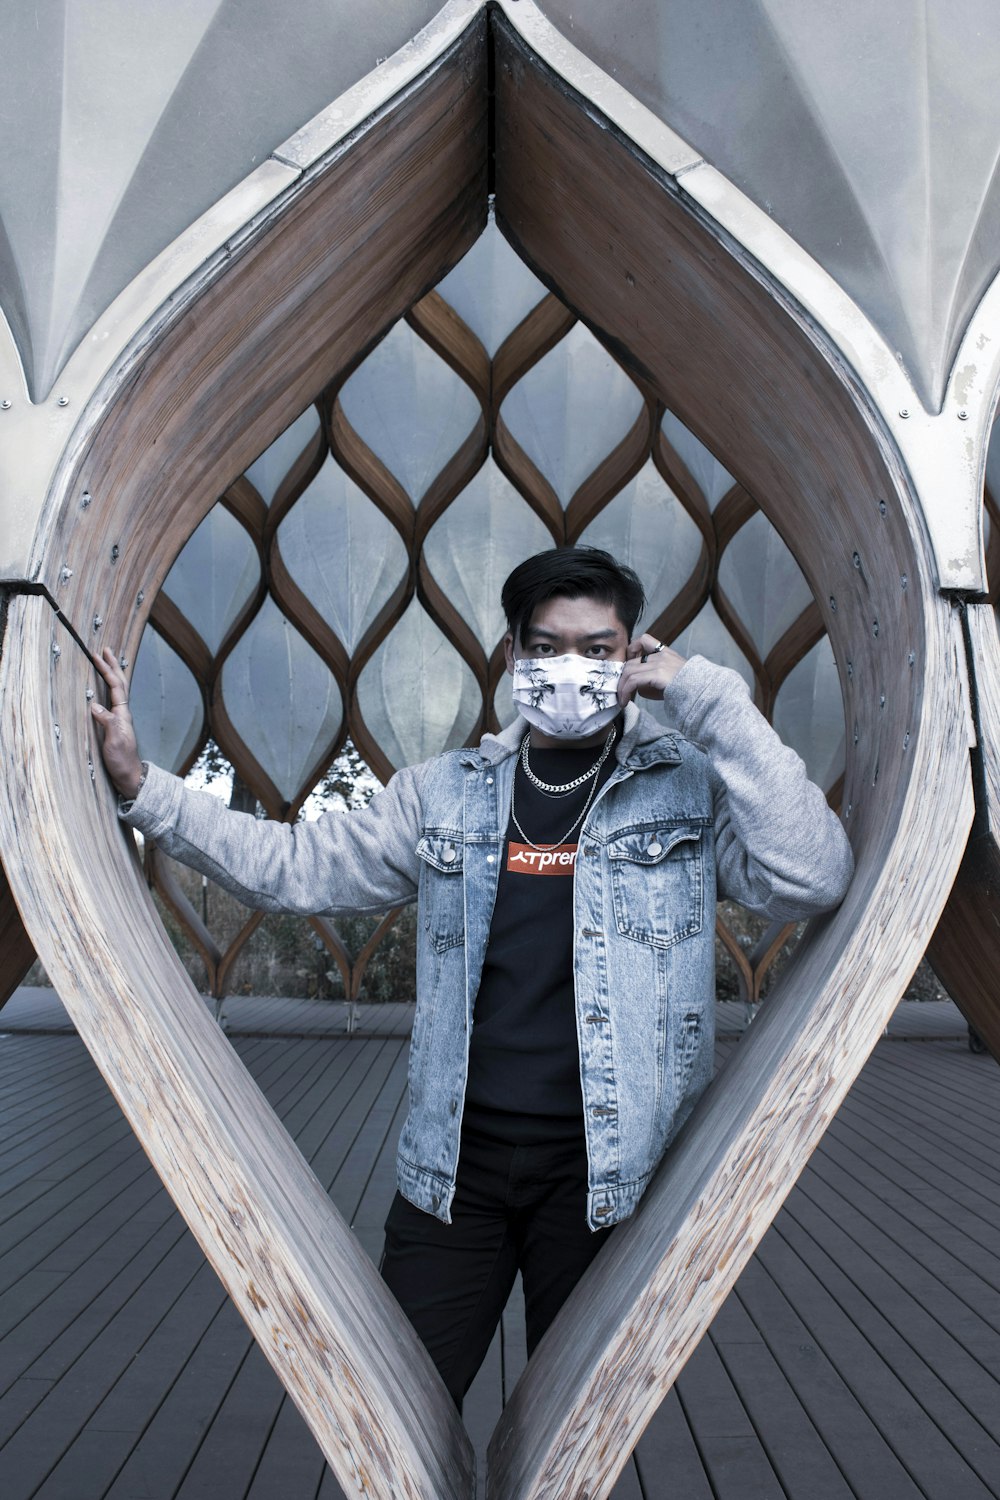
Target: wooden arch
[(714, 333)]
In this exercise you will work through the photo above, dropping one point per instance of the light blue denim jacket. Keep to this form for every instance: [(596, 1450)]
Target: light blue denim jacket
[(721, 804)]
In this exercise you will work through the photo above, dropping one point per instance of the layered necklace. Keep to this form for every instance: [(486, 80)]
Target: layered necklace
[(560, 789)]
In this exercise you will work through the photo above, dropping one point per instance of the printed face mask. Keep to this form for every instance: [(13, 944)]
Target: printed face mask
[(569, 697)]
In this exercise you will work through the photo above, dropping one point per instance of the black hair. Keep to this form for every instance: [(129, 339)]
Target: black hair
[(571, 573)]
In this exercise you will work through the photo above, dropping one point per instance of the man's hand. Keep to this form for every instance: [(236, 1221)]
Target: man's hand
[(118, 744), (649, 668)]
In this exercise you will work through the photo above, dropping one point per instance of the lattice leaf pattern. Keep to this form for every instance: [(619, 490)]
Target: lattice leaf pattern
[(348, 584)]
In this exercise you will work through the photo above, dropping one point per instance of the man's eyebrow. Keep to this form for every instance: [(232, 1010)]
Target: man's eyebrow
[(553, 635)]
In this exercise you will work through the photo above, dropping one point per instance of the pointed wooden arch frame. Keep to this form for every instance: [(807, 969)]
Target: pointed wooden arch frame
[(715, 334)]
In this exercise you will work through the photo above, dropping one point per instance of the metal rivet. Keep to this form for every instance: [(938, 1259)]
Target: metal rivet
[(833, 604), (139, 597), (850, 669), (903, 580), (911, 658), (857, 559), (906, 740), (98, 622), (58, 731), (89, 694), (115, 552), (90, 767), (56, 649), (4, 404), (881, 701), (874, 627), (903, 412), (963, 415), (63, 400), (85, 499), (123, 663), (883, 508), (857, 736), (65, 574)]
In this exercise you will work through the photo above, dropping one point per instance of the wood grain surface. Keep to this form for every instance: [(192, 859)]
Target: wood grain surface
[(716, 337), (965, 948), (362, 240)]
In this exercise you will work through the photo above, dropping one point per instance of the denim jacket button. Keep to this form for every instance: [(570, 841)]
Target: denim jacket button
[(491, 859), (489, 781), (450, 855), (654, 849)]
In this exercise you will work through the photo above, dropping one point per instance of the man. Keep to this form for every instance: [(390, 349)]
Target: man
[(566, 875)]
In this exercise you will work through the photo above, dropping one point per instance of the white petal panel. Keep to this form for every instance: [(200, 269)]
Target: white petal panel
[(166, 704), (216, 573), (648, 529), (571, 409), (491, 289), (708, 474), (418, 697), (283, 700), (707, 636), (763, 582), (342, 552), (482, 535), (267, 472), (809, 714), (411, 408)]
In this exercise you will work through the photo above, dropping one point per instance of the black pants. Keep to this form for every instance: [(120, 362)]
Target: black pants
[(516, 1208)]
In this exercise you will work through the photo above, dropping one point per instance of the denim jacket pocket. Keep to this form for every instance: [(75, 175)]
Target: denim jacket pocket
[(441, 890), (657, 880)]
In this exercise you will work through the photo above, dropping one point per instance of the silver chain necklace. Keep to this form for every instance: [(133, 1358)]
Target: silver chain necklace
[(594, 772), (560, 789)]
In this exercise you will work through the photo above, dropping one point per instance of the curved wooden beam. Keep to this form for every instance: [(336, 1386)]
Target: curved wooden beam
[(716, 337), (358, 243), (965, 949)]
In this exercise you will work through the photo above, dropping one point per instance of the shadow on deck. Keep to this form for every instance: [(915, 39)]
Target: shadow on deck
[(858, 1356)]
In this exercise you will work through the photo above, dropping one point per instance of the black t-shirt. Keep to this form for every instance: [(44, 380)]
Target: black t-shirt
[(524, 1060)]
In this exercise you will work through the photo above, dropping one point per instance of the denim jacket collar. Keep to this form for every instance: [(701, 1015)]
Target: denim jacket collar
[(644, 742)]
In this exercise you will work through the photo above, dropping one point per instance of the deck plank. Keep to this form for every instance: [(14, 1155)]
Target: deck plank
[(858, 1357)]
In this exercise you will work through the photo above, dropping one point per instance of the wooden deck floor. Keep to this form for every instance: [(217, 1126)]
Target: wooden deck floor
[(858, 1356)]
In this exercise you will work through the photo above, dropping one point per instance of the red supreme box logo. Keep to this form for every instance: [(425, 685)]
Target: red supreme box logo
[(522, 859)]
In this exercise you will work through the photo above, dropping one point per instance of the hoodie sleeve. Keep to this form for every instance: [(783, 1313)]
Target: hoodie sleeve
[(363, 861), (780, 849)]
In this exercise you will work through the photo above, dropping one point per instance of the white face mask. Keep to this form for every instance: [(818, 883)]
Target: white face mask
[(568, 697)]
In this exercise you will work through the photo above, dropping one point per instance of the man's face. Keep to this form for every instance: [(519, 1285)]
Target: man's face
[(561, 627)]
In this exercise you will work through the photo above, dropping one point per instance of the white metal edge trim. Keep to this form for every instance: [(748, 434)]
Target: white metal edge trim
[(327, 129), (656, 139), (946, 456)]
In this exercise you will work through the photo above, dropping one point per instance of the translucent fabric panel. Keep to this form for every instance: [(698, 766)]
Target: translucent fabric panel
[(417, 696), (647, 528), (491, 289), (482, 535), (763, 582), (411, 408), (571, 409), (707, 636), (166, 704), (282, 699), (216, 573), (503, 700), (343, 553), (708, 474), (809, 714), (274, 463)]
